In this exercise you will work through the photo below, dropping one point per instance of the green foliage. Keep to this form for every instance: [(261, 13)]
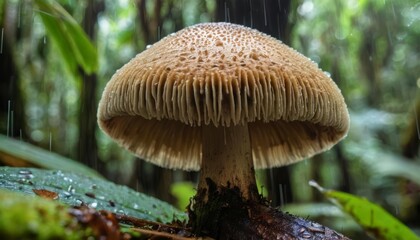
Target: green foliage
[(72, 42), (27, 154), (183, 192), (373, 218), (330, 215), (76, 189), (31, 217)]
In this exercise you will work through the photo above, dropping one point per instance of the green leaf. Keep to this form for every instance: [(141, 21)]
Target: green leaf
[(72, 42), (13, 151), (76, 189), (373, 218), (183, 192)]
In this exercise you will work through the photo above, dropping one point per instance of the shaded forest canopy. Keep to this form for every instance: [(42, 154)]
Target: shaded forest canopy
[(370, 49)]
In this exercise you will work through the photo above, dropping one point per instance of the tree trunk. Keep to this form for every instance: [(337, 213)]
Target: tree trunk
[(411, 135), (88, 150), (12, 114)]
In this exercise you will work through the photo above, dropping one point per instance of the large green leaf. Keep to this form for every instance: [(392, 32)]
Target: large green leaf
[(73, 43), (373, 218), (12, 151), (76, 189)]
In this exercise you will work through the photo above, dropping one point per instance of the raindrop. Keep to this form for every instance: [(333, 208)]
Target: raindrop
[(11, 122), (8, 119), (282, 197), (23, 180), (50, 141), (327, 73), (19, 14), (265, 14), (93, 204), (25, 174), (417, 123), (148, 46), (100, 197), (121, 211), (66, 194), (135, 206), (1, 42), (79, 202), (227, 15), (250, 11), (71, 189), (68, 179)]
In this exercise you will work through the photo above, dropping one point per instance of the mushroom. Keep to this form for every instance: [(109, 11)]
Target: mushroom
[(224, 98)]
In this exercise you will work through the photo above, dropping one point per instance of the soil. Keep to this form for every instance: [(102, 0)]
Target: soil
[(223, 213)]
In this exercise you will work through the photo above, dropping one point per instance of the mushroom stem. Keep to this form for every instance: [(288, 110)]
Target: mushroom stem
[(227, 159)]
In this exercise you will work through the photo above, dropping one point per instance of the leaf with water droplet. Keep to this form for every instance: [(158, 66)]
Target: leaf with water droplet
[(116, 198), (372, 217)]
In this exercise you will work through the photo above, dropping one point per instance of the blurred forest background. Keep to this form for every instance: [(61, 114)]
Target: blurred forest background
[(49, 91)]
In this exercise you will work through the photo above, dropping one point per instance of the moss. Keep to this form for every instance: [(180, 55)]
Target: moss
[(31, 217)]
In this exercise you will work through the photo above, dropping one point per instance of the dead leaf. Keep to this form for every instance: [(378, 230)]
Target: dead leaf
[(46, 194)]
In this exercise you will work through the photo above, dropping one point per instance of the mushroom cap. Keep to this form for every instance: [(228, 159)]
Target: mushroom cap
[(222, 74)]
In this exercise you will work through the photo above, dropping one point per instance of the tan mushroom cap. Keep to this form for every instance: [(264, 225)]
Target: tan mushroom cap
[(222, 74)]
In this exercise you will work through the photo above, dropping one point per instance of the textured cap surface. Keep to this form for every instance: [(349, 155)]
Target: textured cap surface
[(222, 74)]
